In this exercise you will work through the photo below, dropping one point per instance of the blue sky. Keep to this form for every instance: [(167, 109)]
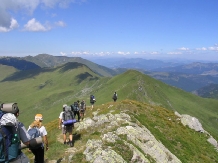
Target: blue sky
[(150, 29)]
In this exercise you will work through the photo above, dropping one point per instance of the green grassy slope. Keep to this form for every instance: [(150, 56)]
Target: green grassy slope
[(185, 143), (6, 71), (45, 91), (137, 86)]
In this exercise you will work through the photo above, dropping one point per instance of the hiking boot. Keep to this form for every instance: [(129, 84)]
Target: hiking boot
[(71, 143)]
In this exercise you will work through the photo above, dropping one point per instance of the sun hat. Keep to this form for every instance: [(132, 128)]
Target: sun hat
[(38, 117)]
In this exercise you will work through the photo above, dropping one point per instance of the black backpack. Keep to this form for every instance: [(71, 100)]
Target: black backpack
[(115, 96), (92, 98), (68, 114), (83, 105), (75, 106)]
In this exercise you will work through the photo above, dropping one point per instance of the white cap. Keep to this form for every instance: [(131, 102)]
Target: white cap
[(38, 117), (64, 105)]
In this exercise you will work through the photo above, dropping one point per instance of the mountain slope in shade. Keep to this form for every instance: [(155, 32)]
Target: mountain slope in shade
[(18, 63), (210, 91), (46, 60)]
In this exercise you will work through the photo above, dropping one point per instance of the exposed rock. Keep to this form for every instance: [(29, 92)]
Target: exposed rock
[(194, 124), (137, 137)]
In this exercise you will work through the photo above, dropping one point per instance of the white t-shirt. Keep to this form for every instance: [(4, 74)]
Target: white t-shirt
[(61, 116)]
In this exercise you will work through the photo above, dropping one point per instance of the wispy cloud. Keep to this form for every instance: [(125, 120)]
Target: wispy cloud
[(213, 48), (13, 25), (174, 53), (9, 22), (60, 23), (183, 49), (35, 26), (201, 49), (63, 54)]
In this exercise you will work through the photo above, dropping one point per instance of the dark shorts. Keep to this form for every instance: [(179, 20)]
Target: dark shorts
[(67, 129), (82, 111)]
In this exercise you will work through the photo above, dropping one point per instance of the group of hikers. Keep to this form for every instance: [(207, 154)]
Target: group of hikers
[(67, 117), (14, 136)]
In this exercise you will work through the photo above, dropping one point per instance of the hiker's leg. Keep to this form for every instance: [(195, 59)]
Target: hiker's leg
[(41, 155), (71, 135), (78, 115), (35, 152), (64, 134)]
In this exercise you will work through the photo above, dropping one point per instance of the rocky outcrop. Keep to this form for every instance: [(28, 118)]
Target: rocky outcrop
[(133, 137), (194, 124), (123, 139)]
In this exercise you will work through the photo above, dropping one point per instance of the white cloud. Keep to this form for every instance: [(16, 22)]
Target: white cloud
[(202, 49), (174, 53), (35, 26), (123, 53), (13, 25), (183, 49), (63, 54), (213, 48), (80, 53), (154, 53), (60, 23), (27, 7)]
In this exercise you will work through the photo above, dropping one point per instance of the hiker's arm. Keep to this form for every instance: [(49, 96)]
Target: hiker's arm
[(45, 142), (60, 120)]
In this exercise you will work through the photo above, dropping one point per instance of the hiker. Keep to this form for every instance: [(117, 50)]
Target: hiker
[(92, 100), (39, 150), (82, 109), (114, 96), (76, 109), (20, 130), (66, 129)]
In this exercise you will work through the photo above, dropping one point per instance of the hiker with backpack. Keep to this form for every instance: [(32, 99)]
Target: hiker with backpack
[(67, 116), (35, 130), (76, 109), (14, 132), (92, 101), (114, 97), (82, 109)]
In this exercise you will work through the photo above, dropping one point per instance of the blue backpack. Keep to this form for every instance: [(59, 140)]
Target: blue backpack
[(9, 141), (34, 133)]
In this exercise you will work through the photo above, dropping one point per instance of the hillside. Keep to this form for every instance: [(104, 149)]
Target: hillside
[(130, 131), (187, 82), (46, 60), (45, 90), (210, 91), (18, 63), (6, 71)]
